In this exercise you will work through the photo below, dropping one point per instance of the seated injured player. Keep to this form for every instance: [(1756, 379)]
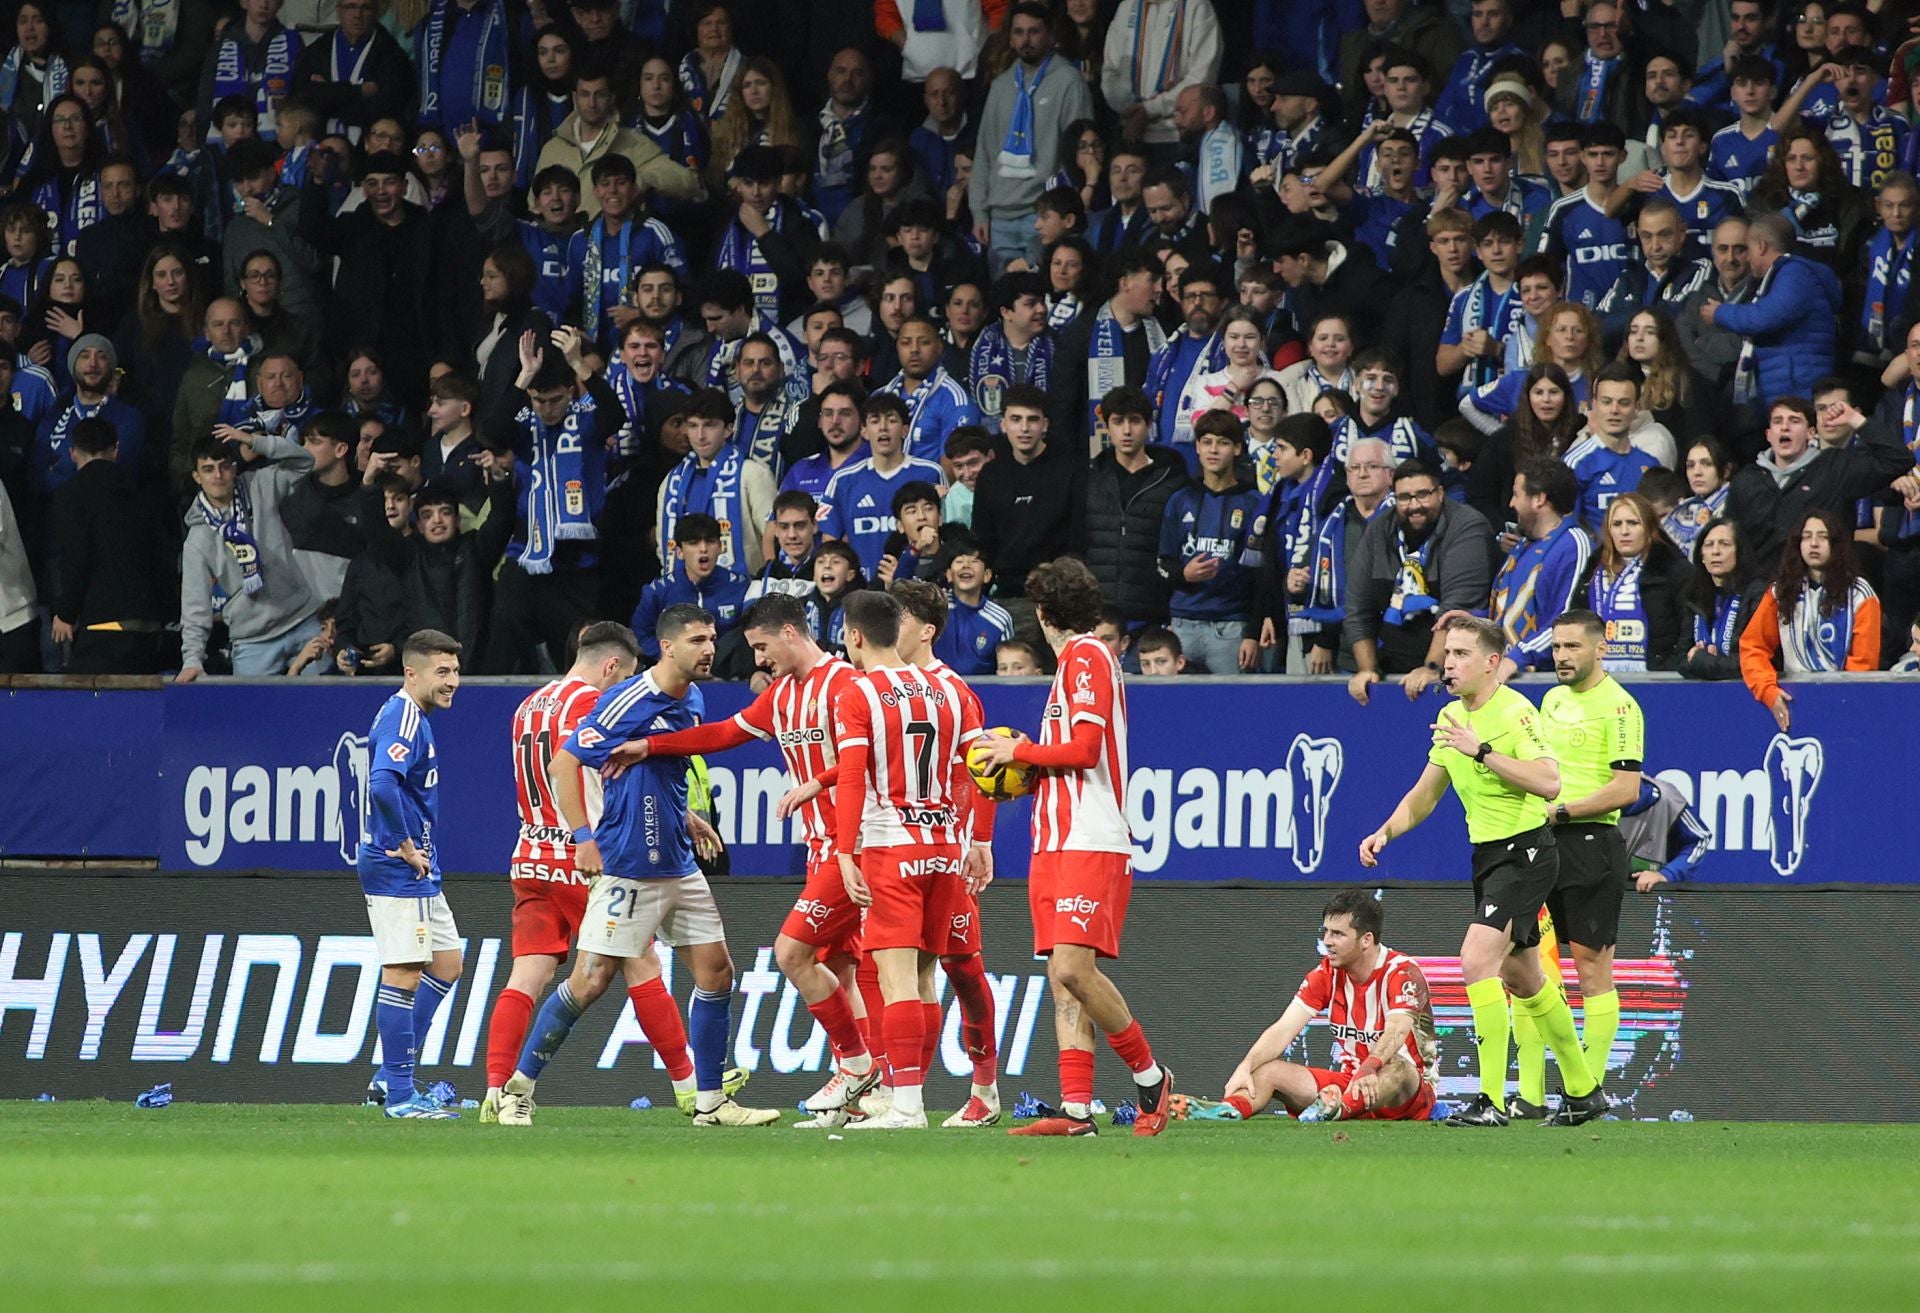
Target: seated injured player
[(1381, 1016)]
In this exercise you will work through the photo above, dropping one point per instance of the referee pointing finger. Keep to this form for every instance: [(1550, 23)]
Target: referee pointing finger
[(1488, 746)]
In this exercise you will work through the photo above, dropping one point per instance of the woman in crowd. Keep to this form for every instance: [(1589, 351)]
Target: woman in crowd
[(1721, 597), (1668, 391), (545, 100), (759, 113), (32, 74), (890, 180), (1545, 425), (154, 344), (1080, 36), (1569, 337), (1512, 109), (59, 320), (1329, 352), (62, 174), (1806, 182), (367, 392), (1708, 470), (437, 166), (709, 72), (92, 81), (1819, 616), (1071, 281), (1638, 585), (1556, 57), (1083, 156), (1243, 340), (506, 289), (665, 118)]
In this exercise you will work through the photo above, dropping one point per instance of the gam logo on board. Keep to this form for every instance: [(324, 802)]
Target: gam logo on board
[(229, 806)]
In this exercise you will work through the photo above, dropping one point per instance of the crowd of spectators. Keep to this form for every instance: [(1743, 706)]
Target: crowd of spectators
[(322, 321)]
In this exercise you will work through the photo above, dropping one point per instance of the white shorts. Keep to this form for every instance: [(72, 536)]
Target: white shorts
[(411, 930), (623, 916)]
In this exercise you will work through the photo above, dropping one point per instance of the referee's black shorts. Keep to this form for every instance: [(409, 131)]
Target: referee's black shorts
[(1586, 899), (1512, 880)]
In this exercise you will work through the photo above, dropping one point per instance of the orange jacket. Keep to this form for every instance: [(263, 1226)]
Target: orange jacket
[(1760, 645)]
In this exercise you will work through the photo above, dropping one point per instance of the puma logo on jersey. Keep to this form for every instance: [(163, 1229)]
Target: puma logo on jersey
[(1084, 922)]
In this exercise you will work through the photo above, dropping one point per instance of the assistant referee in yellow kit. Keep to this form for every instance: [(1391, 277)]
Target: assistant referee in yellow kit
[(1488, 746), (1595, 730)]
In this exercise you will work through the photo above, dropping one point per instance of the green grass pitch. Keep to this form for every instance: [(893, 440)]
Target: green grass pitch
[(285, 1208)]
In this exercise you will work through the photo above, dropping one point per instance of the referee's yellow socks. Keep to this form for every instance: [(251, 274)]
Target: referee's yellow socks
[(1530, 1054), (1599, 1023), (1489, 1000), (1554, 1018)]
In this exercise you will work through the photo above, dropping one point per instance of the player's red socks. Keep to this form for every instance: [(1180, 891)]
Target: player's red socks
[(906, 1026), (1352, 1104), (506, 1032), (660, 1022), (1240, 1104), (866, 978), (1131, 1045), (930, 1041), (835, 1016), (1076, 1076), (975, 994)]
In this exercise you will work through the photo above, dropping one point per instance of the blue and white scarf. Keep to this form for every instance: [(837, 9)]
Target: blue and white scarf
[(1062, 309), (1813, 640), (1164, 75), (235, 528), (740, 250), (1107, 357), (1499, 315), (234, 408), (489, 90), (74, 208), (58, 450), (1410, 596), (834, 158), (713, 491), (279, 420), (1867, 150), (1321, 383), (54, 79), (273, 85), (1746, 370), (991, 364), (346, 64), (1326, 602), (709, 102), (1723, 633), (154, 24), (386, 410), (1161, 383), (1016, 151), (721, 355), (1596, 76), (1617, 599), (1685, 521), (594, 270), (560, 505), (1889, 271)]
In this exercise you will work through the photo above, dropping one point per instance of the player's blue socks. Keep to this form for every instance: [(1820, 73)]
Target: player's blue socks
[(393, 1016), (550, 1030), (427, 998), (708, 1024)]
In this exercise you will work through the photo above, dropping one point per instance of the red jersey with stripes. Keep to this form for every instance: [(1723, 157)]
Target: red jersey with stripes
[(915, 725), (1084, 810), (541, 727), (796, 712), (1357, 1010)]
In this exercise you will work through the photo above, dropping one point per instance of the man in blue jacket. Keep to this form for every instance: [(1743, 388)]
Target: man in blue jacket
[(1790, 324), (1542, 572)]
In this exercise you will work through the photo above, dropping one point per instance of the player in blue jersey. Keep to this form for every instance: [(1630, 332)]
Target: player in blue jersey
[(858, 504), (399, 867), (647, 882)]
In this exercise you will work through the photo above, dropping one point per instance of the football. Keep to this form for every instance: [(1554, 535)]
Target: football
[(1014, 780)]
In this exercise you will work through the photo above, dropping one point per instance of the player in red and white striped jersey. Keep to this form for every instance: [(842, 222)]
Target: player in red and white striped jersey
[(549, 896), (1082, 873), (1381, 1015), (925, 608), (902, 735), (819, 945)]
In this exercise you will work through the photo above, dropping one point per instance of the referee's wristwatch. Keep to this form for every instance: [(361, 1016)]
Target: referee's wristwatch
[(1480, 757), (1560, 814)]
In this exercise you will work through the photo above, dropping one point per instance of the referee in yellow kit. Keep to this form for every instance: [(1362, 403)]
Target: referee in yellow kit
[(1488, 746), (1596, 731)]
